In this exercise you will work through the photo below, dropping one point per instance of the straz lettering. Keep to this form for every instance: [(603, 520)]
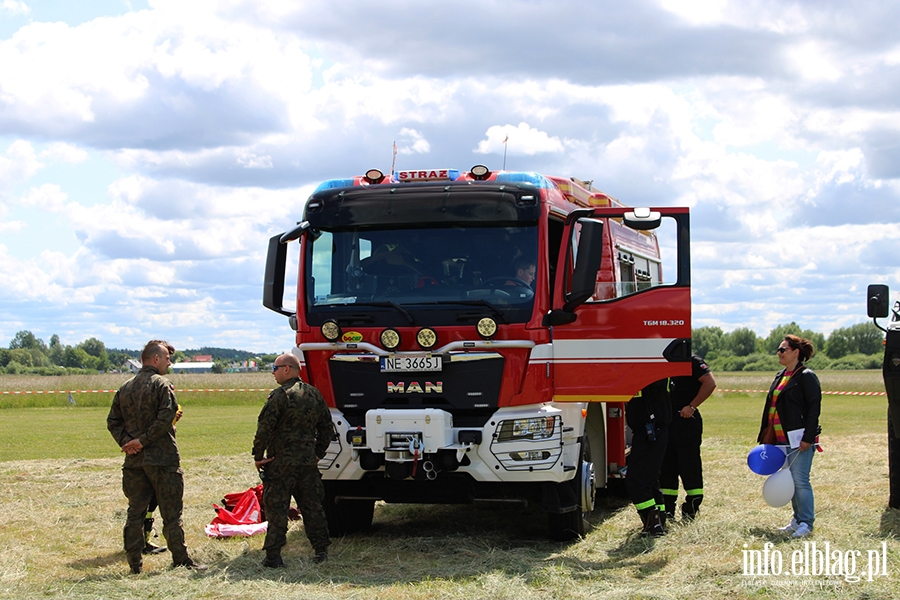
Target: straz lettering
[(423, 175), (413, 387)]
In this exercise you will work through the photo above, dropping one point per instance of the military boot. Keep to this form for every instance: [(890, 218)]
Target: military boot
[(273, 560)]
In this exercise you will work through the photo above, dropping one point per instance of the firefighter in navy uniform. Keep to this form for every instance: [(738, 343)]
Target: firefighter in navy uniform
[(648, 415), (682, 457)]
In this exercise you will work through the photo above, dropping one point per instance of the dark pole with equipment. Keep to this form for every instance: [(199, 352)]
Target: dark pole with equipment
[(878, 300)]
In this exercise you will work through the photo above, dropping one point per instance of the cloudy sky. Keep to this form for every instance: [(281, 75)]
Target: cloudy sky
[(149, 149)]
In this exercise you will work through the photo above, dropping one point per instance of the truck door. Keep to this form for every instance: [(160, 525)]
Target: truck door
[(621, 315)]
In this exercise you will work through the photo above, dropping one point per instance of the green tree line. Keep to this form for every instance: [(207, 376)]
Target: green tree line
[(859, 346), (856, 347), (29, 354)]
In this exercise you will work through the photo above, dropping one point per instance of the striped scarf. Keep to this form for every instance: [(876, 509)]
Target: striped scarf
[(774, 420)]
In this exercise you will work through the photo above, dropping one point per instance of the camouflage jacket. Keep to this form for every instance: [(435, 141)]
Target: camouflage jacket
[(294, 426), (144, 408)]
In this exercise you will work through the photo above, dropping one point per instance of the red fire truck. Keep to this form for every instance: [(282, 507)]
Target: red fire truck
[(451, 377)]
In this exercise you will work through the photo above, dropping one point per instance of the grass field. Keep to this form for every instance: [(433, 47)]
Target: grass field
[(63, 509)]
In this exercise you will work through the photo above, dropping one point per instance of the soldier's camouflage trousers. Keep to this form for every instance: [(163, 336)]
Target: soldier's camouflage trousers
[(140, 486), (304, 483)]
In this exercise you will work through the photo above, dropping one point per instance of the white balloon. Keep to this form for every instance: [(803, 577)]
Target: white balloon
[(778, 488)]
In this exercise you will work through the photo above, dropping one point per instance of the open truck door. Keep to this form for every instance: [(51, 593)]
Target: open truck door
[(610, 336)]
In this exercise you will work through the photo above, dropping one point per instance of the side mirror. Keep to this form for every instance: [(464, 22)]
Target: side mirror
[(273, 285), (878, 301), (642, 219), (587, 263), (294, 233)]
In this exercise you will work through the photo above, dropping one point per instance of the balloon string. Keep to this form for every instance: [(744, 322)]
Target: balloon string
[(796, 453)]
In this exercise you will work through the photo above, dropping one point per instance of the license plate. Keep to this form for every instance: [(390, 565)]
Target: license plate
[(410, 363)]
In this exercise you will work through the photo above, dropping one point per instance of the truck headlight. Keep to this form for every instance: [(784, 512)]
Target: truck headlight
[(533, 428)]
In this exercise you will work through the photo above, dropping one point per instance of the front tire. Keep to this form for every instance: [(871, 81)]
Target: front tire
[(575, 523)]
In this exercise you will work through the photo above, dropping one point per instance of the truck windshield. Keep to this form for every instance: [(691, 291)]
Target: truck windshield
[(447, 268)]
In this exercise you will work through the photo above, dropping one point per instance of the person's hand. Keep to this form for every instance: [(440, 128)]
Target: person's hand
[(261, 463), (132, 447), (804, 446), (178, 414), (687, 412)]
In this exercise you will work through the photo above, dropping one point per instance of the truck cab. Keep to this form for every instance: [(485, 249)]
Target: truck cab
[(477, 334)]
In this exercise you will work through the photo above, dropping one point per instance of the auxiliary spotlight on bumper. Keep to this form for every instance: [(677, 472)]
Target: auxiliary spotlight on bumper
[(331, 331), (390, 339), (487, 328), (426, 338)]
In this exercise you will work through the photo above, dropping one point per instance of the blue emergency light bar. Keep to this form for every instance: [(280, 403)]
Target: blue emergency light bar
[(525, 177), (421, 175)]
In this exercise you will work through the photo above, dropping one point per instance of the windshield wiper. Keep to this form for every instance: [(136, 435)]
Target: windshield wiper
[(388, 303), (479, 302)]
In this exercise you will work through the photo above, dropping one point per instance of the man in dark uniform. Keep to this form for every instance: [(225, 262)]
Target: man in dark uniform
[(648, 415), (292, 434), (140, 420), (685, 436)]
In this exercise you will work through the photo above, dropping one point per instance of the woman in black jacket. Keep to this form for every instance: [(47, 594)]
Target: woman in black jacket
[(791, 418)]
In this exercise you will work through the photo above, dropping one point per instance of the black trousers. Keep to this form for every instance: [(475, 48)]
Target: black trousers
[(682, 460), (644, 462)]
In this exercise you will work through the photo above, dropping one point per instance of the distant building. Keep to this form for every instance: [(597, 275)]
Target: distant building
[(202, 358), (243, 367), (133, 365), (191, 367)]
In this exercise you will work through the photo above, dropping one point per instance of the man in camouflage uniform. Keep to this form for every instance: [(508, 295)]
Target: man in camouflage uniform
[(292, 434), (140, 421)]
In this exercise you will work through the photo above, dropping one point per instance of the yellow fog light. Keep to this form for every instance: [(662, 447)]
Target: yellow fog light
[(426, 338), (331, 331), (487, 328), (390, 339)]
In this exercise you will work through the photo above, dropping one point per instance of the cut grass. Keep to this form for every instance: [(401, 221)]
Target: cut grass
[(61, 535)]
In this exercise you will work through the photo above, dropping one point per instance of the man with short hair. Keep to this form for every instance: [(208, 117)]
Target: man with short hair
[(141, 421), (293, 432), (525, 270)]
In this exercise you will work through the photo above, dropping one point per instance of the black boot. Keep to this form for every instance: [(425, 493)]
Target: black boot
[(653, 526), (273, 560), (671, 502), (150, 548), (690, 508)]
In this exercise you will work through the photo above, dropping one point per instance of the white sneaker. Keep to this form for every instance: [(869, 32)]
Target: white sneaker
[(802, 530), (790, 527)]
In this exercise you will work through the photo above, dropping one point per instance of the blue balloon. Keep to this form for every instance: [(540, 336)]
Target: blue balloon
[(766, 459)]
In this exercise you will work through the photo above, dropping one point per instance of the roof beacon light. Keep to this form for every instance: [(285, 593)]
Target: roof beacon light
[(374, 176), (480, 172)]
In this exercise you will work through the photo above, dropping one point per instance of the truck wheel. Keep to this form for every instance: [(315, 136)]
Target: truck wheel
[(346, 515), (575, 524)]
